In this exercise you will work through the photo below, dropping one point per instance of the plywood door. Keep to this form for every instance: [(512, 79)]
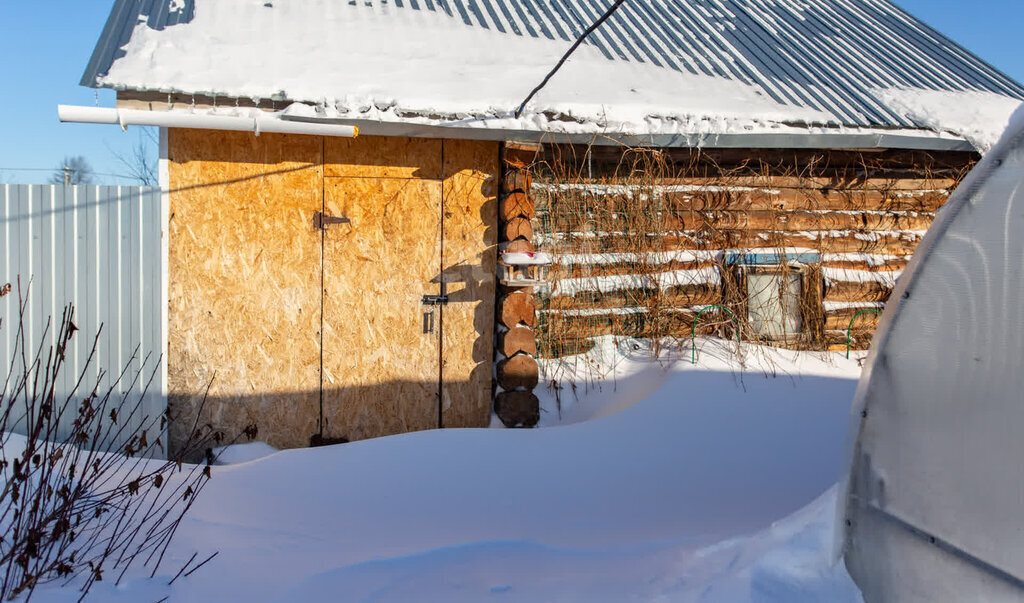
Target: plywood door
[(470, 255), (380, 369), (244, 284)]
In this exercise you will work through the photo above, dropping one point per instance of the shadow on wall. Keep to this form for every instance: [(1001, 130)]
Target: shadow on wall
[(291, 419)]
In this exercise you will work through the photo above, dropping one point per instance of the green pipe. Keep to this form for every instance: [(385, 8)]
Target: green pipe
[(694, 340), (850, 328)]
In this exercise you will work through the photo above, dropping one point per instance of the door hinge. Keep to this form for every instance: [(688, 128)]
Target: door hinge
[(321, 220)]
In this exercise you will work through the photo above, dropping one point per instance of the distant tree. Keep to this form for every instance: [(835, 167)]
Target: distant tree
[(141, 160), (73, 170)]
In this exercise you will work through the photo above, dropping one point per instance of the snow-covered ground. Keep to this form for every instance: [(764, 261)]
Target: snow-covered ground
[(652, 481)]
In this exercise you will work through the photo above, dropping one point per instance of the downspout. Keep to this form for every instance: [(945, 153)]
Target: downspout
[(257, 121)]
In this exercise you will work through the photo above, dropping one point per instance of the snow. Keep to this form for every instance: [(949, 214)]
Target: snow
[(979, 117), (431, 70), (618, 282), (655, 480), (871, 259), (525, 258), (242, 453), (833, 306), (884, 277), (651, 257), (433, 66), (619, 311)]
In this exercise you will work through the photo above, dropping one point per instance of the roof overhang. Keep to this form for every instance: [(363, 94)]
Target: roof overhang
[(924, 140)]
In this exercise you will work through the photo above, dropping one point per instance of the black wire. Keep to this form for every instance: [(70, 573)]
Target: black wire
[(614, 7), (60, 170)]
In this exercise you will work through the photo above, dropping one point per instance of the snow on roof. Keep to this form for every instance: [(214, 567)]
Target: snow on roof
[(656, 67)]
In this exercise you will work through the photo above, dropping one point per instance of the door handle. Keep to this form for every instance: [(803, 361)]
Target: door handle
[(428, 322), (322, 220)]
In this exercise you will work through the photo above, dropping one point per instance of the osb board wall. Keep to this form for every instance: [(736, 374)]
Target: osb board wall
[(380, 369), (470, 256), (673, 209), (245, 276), (383, 157), (244, 283)]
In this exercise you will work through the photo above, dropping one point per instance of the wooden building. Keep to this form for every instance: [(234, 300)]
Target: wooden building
[(690, 154)]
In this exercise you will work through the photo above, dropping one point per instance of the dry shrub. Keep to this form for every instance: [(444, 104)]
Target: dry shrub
[(85, 497)]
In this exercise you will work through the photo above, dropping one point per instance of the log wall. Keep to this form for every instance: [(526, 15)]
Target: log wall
[(642, 238), (516, 369)]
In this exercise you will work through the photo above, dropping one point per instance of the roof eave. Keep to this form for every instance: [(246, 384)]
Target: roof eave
[(923, 140)]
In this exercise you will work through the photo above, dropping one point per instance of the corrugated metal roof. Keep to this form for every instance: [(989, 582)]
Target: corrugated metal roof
[(822, 54)]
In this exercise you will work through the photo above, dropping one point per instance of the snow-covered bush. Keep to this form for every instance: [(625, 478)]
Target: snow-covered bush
[(84, 496)]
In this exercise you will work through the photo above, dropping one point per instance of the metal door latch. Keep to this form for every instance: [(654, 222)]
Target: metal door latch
[(321, 220), (435, 300)]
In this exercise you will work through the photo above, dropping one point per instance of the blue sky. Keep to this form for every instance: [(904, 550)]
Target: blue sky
[(44, 47)]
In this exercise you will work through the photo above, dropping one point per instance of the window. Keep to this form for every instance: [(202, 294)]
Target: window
[(773, 301)]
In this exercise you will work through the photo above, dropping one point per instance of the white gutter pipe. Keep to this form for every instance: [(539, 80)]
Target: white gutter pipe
[(259, 121)]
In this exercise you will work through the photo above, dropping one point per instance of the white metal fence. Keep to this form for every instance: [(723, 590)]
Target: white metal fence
[(97, 248)]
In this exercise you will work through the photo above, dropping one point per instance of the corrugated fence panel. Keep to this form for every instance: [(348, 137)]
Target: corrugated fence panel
[(96, 249)]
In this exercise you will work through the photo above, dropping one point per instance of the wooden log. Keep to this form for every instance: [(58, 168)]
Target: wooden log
[(800, 220), (516, 179), (860, 339), (845, 291), (518, 372), (812, 294), (885, 243), (840, 319), (515, 205), (892, 263), (523, 147), (609, 161), (520, 155), (726, 194), (818, 183), (517, 409), (565, 346), (517, 339), (788, 199), (678, 297), (517, 228), (664, 323), (559, 271), (518, 308)]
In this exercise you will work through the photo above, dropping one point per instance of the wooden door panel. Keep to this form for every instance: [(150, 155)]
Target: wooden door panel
[(383, 157), (380, 370), (470, 256), (244, 284)]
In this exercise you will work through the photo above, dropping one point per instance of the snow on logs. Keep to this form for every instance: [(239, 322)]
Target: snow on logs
[(865, 222), (517, 370)]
